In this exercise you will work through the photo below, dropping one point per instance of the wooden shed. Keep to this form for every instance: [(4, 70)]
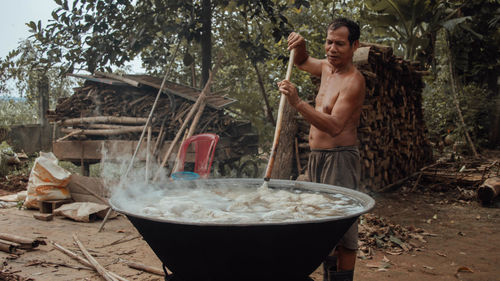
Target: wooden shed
[(109, 113)]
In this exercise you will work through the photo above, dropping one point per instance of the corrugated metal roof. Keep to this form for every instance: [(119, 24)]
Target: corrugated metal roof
[(187, 92), (99, 79)]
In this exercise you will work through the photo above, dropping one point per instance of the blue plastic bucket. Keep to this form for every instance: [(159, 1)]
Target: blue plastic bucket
[(184, 175)]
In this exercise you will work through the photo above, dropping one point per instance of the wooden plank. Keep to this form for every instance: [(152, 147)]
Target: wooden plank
[(92, 150), (189, 93), (99, 80), (119, 78)]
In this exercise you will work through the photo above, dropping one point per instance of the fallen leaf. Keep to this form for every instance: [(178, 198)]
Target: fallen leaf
[(428, 267), (385, 259), (464, 269), (394, 253), (381, 266)]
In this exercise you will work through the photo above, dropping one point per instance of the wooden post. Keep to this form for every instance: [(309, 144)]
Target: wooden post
[(43, 106)]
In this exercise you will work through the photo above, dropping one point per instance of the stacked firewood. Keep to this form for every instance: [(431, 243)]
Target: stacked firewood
[(97, 111), (392, 133)]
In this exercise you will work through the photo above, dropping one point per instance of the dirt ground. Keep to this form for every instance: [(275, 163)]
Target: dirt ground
[(463, 245), (461, 241)]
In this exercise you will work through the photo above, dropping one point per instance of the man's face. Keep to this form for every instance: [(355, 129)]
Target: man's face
[(338, 50)]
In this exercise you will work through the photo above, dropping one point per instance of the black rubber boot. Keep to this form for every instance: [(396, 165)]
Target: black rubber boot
[(347, 275), (329, 265)]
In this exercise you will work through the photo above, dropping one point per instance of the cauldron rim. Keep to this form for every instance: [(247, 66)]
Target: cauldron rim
[(368, 203)]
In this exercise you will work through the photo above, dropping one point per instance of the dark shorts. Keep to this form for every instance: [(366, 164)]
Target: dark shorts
[(338, 166)]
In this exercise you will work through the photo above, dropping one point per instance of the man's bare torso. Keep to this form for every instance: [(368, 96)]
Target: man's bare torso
[(331, 88)]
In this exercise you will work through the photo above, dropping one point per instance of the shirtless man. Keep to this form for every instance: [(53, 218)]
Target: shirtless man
[(333, 134)]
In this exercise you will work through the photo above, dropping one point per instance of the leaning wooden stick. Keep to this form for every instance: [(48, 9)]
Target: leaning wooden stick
[(81, 259), (104, 132), (148, 153), (70, 135), (105, 119), (277, 131), (195, 107), (93, 193), (131, 163), (99, 268)]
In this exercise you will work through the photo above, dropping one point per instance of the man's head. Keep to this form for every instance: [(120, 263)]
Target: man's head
[(351, 26), (341, 42)]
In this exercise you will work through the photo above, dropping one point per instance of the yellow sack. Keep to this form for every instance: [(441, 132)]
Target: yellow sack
[(47, 181)]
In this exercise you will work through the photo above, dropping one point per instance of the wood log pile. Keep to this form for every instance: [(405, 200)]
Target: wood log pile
[(14, 244), (94, 104), (392, 133)]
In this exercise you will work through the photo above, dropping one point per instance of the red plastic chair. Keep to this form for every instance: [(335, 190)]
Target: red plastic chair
[(204, 147)]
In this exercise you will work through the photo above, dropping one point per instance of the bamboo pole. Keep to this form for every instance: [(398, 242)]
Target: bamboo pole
[(196, 119), (124, 177), (24, 243), (99, 268), (81, 259), (195, 107), (105, 119), (105, 132), (148, 152), (93, 193), (77, 132), (8, 246)]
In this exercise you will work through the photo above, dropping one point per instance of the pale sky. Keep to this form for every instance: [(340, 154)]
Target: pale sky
[(15, 13)]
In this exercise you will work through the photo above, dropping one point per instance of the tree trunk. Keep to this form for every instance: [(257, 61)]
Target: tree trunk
[(494, 137), (206, 40), (455, 99), (283, 164), (269, 111)]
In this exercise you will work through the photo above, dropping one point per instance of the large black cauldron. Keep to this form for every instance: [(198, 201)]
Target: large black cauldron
[(247, 252)]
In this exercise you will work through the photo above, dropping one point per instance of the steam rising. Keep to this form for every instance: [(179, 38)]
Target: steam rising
[(215, 201)]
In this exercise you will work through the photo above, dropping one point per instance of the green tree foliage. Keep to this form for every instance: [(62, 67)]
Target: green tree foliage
[(94, 34), (406, 24), (475, 43), (251, 38), (20, 72), (440, 115), (16, 111)]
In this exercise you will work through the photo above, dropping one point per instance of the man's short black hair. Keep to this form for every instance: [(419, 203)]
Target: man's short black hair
[(351, 26)]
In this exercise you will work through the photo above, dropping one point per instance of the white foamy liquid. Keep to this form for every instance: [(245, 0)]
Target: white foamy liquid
[(236, 204)]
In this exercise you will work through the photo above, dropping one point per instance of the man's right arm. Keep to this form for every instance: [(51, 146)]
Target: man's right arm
[(302, 58)]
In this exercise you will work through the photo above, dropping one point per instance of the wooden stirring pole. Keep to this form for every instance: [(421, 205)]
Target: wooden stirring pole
[(277, 131)]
